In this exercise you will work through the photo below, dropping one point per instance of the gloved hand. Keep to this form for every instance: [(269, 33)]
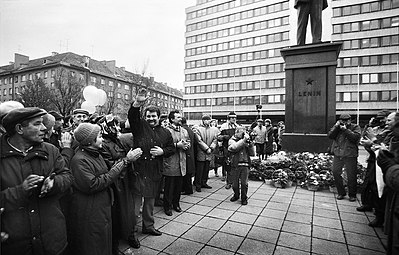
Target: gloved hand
[(385, 160)]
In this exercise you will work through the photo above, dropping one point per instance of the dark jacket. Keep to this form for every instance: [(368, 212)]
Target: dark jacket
[(91, 203), (35, 225), (148, 169), (240, 151), (190, 156), (345, 141), (298, 2)]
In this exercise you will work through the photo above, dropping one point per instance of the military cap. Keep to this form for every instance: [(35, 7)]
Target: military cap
[(81, 111), (16, 116)]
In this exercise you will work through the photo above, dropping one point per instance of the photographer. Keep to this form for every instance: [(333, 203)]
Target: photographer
[(346, 138), (241, 147)]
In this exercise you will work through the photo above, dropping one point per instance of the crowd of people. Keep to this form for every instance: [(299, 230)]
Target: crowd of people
[(79, 187)]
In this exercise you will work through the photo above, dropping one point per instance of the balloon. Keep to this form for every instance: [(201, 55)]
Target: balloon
[(101, 97), (88, 106), (90, 94)]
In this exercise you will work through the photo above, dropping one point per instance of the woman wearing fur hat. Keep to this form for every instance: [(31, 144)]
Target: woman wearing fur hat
[(92, 198)]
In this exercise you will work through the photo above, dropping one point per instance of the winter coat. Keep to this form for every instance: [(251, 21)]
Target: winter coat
[(148, 169), (240, 151), (91, 202), (269, 140), (345, 141), (260, 134), (112, 151), (190, 155), (297, 2), (175, 164), (35, 225), (227, 130), (208, 135)]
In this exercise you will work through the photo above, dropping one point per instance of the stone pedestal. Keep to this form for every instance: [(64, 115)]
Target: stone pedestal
[(310, 97)]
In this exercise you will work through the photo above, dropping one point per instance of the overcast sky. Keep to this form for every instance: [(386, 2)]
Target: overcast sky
[(135, 33)]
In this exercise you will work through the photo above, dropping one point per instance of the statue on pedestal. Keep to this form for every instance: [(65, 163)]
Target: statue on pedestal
[(312, 8)]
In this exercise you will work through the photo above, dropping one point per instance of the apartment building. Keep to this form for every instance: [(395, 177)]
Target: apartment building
[(120, 85), (233, 60)]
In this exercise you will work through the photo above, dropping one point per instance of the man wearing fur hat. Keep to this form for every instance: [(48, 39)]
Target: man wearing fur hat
[(156, 143), (207, 135), (346, 136), (33, 176)]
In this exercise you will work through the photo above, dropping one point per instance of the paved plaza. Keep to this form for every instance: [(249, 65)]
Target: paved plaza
[(275, 221)]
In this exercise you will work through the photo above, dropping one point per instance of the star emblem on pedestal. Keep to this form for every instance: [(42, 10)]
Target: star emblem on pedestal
[(309, 81)]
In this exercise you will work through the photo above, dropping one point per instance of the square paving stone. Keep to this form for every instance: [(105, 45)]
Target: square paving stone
[(358, 228), (326, 206), (236, 228), (261, 197), (349, 209), (269, 222), (327, 222), (354, 217), (280, 199), (302, 202), (219, 197), (175, 228), (254, 247), (258, 203), (353, 250), (325, 213), (199, 209), (211, 223), (220, 213), (264, 234), (297, 228), (214, 251), (277, 206), (229, 206), (158, 242), (184, 247), (243, 218), (200, 194), (277, 214), (198, 234), (191, 199), (287, 251), (209, 202), (364, 241), (141, 251), (294, 241), (226, 241), (299, 217), (250, 209), (325, 247), (328, 234), (300, 209), (324, 199), (184, 206), (188, 218)]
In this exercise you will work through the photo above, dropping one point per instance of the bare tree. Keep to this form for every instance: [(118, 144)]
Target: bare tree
[(66, 94), (36, 94)]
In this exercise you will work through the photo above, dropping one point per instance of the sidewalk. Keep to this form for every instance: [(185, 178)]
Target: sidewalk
[(275, 221)]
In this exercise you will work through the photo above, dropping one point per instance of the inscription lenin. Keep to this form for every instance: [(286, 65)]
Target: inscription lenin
[(309, 101)]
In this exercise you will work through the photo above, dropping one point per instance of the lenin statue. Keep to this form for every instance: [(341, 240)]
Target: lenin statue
[(312, 8)]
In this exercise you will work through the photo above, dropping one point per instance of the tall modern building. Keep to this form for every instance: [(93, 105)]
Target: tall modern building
[(119, 84), (233, 60)]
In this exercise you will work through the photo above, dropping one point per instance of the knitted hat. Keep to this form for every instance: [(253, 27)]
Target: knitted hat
[(86, 133)]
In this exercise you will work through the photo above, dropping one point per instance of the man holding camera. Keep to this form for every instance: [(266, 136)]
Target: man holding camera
[(241, 147), (346, 136)]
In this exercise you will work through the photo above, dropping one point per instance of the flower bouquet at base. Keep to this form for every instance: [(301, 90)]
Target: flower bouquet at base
[(282, 178), (312, 181)]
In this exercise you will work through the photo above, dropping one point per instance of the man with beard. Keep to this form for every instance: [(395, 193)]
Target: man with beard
[(175, 165), (156, 143), (33, 177)]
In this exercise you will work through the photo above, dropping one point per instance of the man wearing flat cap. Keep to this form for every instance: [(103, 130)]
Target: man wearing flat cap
[(33, 177), (346, 136), (5, 108), (79, 116), (227, 130)]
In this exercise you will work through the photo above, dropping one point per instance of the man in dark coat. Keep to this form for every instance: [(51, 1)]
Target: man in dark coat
[(156, 143), (314, 9), (346, 136), (33, 176), (190, 161)]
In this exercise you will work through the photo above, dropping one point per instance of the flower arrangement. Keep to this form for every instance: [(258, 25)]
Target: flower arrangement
[(282, 178)]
